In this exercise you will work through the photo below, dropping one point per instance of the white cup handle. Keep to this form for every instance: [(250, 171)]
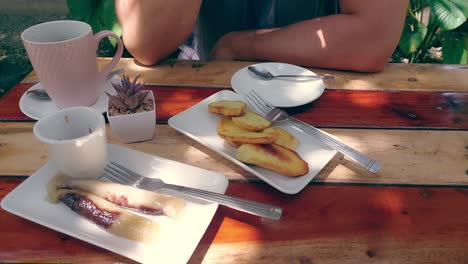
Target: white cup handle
[(118, 54)]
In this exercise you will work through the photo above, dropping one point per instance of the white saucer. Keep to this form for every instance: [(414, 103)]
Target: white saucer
[(39, 108), (279, 92)]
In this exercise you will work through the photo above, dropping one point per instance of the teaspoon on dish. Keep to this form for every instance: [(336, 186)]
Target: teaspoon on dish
[(266, 75)]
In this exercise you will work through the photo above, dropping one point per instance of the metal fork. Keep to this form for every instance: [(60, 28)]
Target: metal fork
[(119, 174), (275, 114)]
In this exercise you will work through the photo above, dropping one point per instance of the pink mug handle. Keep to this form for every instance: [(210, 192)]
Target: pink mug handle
[(118, 54)]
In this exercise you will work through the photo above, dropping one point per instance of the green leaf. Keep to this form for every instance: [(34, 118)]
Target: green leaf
[(107, 13), (412, 37), (100, 14), (82, 9), (449, 14), (463, 28), (454, 48), (109, 19), (117, 28)]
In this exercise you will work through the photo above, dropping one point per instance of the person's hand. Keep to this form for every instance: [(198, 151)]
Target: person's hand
[(223, 49), (236, 45)]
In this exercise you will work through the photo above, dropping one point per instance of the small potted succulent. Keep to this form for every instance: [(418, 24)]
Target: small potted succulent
[(131, 112)]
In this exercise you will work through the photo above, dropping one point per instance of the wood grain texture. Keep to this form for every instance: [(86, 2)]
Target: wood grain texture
[(335, 108), (323, 224), (407, 157), (343, 108), (9, 103), (409, 77), (169, 101)]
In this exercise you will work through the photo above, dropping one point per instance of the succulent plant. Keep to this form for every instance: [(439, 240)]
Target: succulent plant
[(130, 95)]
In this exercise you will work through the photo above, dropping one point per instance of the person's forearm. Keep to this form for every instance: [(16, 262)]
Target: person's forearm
[(330, 42), (152, 29), (344, 41)]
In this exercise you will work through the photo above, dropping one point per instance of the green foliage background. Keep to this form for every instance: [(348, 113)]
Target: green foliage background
[(435, 23), (100, 14)]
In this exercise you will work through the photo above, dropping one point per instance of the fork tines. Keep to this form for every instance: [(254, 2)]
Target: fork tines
[(257, 102), (120, 174)]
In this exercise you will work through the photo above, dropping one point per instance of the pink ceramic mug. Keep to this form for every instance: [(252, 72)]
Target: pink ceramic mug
[(63, 55)]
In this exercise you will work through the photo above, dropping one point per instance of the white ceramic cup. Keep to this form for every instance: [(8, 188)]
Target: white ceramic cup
[(63, 55), (76, 139)]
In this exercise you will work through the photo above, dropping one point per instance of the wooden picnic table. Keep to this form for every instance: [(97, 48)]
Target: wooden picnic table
[(412, 118)]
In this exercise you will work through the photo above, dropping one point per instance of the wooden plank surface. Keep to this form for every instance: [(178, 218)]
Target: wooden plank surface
[(344, 108), (407, 157), (335, 108), (335, 222), (323, 224), (409, 77)]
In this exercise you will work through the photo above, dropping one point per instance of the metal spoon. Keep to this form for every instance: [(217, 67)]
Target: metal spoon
[(42, 94), (266, 75)]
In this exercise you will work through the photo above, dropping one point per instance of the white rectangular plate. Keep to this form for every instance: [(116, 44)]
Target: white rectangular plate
[(199, 124), (178, 238)]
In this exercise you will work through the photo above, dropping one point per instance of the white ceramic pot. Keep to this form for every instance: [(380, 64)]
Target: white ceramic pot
[(134, 127)]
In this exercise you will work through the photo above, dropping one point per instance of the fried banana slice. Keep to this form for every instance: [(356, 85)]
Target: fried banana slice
[(227, 108), (252, 121), (226, 125), (251, 137), (284, 139), (273, 157)]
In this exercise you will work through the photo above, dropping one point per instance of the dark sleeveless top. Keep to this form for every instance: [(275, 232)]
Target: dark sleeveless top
[(218, 17)]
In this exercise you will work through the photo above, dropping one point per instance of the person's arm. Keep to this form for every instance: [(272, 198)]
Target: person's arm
[(152, 29), (361, 38)]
